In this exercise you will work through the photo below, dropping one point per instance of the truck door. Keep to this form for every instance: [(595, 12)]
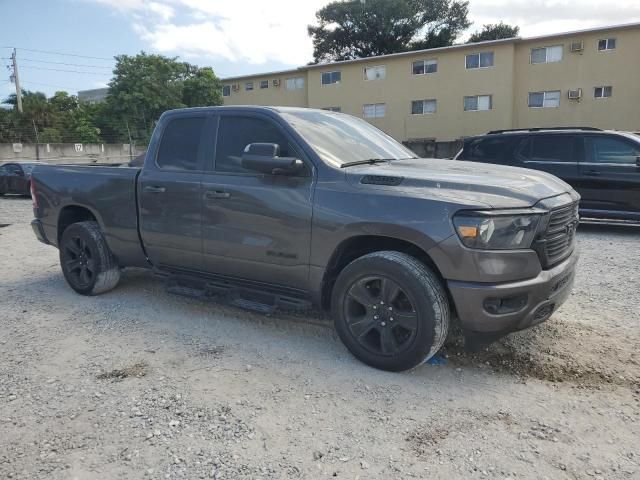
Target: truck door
[(553, 153), (170, 194), (256, 226), (610, 175)]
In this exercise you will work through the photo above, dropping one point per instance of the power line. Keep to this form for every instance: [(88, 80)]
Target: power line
[(64, 63), (62, 70), (49, 85), (61, 53)]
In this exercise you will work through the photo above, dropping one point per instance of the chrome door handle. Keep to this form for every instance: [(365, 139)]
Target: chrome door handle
[(155, 189), (216, 194)]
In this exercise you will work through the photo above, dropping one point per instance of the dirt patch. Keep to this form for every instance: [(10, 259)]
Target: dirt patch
[(136, 370), (544, 356), (212, 352)]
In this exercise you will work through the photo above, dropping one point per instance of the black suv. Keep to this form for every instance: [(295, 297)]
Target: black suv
[(603, 166)]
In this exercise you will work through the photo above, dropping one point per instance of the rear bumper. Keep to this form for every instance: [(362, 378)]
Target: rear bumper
[(497, 309), (38, 230)]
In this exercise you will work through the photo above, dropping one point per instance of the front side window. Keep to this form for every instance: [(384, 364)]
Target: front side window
[(329, 78), (339, 138), (549, 99), (477, 103), (375, 73), (180, 144), (603, 149), (226, 91), (374, 110), (479, 60), (603, 92), (422, 67), (423, 107), (552, 148), (235, 133), (547, 54), (248, 86), (264, 83), (607, 44), (295, 83)]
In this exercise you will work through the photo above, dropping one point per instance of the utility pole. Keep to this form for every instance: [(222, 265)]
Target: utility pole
[(35, 129), (16, 80)]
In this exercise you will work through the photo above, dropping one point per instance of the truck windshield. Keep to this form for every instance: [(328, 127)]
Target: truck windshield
[(340, 138)]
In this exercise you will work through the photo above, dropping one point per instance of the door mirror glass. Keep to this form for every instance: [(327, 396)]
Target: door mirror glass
[(265, 158)]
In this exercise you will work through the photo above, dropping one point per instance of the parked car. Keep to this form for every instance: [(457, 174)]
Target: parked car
[(284, 207), (602, 165), (16, 177)]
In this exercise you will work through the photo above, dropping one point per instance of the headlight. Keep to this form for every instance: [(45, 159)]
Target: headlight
[(495, 230)]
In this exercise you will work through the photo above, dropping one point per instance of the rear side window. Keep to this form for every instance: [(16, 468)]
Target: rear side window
[(235, 133), (180, 144), (611, 150), (489, 149), (552, 148)]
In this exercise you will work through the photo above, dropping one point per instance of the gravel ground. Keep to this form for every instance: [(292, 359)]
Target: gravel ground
[(138, 383)]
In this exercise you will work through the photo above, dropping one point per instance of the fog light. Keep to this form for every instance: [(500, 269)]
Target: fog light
[(498, 306)]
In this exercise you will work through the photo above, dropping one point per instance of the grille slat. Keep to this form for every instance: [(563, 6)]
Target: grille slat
[(557, 242)]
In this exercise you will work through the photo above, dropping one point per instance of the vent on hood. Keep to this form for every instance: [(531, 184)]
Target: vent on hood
[(381, 180)]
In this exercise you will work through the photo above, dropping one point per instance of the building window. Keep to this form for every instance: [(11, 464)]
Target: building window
[(477, 103), (329, 78), (295, 83), (548, 99), (479, 60), (248, 86), (603, 92), (374, 110), (546, 54), (226, 91), (607, 44), (332, 109), (423, 107), (375, 73), (422, 67), (264, 83)]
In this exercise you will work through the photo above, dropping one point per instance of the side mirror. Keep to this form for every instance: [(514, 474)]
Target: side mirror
[(265, 158)]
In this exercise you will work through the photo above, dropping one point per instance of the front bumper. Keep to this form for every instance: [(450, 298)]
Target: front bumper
[(38, 229), (529, 302)]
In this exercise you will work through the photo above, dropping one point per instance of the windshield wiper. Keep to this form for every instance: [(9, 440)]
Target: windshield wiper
[(368, 161)]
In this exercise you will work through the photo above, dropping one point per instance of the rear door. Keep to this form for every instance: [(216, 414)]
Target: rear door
[(15, 180), (169, 193), (256, 226), (553, 153), (610, 175)]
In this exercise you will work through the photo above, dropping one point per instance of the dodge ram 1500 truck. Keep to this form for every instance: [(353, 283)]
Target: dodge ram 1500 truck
[(290, 207)]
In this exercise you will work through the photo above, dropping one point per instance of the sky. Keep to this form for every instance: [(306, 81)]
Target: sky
[(234, 37)]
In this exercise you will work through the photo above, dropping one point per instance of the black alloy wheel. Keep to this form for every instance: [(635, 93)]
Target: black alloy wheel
[(380, 315)]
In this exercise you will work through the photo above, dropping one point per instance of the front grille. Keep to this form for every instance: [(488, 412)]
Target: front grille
[(557, 242)]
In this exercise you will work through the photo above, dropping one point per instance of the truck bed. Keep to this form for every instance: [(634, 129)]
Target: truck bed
[(108, 192)]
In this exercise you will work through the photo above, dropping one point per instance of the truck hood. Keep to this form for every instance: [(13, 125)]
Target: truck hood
[(481, 184)]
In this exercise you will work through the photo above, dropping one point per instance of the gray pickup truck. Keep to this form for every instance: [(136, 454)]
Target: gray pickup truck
[(287, 207)]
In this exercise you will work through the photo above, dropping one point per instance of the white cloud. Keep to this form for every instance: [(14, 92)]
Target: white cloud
[(259, 32), (542, 17)]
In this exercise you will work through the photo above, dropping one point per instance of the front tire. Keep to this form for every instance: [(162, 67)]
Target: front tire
[(390, 310), (88, 265)]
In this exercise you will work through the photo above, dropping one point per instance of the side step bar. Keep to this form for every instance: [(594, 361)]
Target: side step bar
[(249, 297)]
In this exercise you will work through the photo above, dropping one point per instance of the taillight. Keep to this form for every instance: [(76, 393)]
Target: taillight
[(34, 199)]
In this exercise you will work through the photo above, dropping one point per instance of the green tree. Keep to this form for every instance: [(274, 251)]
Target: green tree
[(202, 89), (356, 29), (145, 85), (50, 135), (495, 31)]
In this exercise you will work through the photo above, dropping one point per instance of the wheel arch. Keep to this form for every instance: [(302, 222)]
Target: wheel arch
[(71, 214), (359, 245)]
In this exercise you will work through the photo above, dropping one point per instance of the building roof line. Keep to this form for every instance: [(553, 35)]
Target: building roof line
[(430, 51)]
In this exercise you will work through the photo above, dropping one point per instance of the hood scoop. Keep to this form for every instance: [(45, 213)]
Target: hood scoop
[(381, 180)]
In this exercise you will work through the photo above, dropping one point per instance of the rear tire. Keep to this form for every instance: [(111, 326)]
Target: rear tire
[(88, 265), (390, 310)]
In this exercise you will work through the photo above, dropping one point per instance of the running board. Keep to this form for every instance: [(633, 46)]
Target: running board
[(264, 301)]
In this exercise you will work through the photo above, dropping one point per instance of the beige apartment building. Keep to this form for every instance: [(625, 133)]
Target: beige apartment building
[(582, 78)]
